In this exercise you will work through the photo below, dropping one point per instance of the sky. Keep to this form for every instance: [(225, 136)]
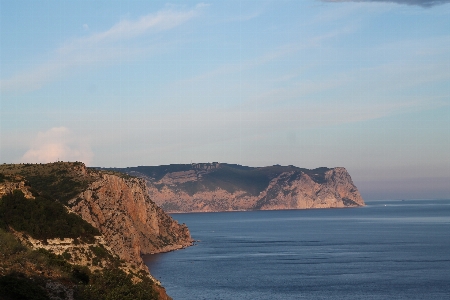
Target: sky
[(363, 85)]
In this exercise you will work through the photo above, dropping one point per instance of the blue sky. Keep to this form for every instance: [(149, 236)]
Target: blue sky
[(359, 84)]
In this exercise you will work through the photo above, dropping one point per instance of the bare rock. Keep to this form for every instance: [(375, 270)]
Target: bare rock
[(130, 222), (224, 187), (15, 182)]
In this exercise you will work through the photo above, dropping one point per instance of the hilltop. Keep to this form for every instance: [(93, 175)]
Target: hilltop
[(216, 186), (71, 232)]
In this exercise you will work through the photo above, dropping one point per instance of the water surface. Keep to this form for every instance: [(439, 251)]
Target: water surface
[(386, 250)]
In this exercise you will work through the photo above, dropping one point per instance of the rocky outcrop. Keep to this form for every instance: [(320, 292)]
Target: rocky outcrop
[(291, 190), (119, 206), (130, 222), (232, 187), (15, 182)]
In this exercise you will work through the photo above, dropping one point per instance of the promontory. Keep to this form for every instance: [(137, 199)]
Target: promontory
[(208, 187), (72, 232)]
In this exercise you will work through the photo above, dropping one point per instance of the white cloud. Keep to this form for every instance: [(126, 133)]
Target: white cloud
[(58, 143), (99, 47)]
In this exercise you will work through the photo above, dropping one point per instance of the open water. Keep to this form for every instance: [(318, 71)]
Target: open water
[(386, 250)]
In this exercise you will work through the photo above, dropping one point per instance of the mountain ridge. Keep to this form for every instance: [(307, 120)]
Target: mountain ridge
[(203, 187)]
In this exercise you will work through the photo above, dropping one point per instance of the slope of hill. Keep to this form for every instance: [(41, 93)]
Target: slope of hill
[(69, 232), (227, 187)]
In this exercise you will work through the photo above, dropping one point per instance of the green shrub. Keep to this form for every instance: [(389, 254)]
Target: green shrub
[(100, 251), (42, 218), (116, 284), (9, 244), (66, 255), (55, 260)]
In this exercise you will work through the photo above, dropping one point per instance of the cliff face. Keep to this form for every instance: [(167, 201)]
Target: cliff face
[(292, 190), (130, 222), (118, 206), (60, 255), (222, 187)]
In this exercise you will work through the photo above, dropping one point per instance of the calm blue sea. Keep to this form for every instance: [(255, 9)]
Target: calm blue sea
[(386, 250)]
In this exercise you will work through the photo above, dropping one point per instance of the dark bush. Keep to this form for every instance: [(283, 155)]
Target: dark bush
[(66, 255), (55, 260), (57, 186), (116, 284), (9, 245), (99, 251), (17, 286), (42, 218), (81, 274)]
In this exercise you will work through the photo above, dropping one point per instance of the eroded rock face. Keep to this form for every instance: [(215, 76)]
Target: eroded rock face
[(130, 222), (119, 206), (292, 189), (15, 182)]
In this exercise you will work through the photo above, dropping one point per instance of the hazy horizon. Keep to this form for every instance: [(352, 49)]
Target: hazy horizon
[(358, 84)]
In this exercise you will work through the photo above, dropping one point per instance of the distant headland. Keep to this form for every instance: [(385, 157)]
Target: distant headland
[(211, 187)]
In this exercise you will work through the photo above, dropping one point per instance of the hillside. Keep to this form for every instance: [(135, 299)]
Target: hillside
[(228, 187), (70, 232)]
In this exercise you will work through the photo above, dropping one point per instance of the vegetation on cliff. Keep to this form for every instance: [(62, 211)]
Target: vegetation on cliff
[(35, 228), (60, 180), (229, 177), (2, 178), (39, 274), (42, 218)]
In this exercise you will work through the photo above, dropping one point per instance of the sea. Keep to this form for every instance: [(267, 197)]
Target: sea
[(386, 250)]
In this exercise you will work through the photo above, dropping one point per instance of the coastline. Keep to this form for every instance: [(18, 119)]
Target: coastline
[(250, 210)]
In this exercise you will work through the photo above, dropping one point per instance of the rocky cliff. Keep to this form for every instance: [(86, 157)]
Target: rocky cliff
[(297, 190), (226, 187), (131, 223), (11, 183), (69, 232)]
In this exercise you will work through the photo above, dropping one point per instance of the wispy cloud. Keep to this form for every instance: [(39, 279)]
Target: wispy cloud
[(99, 47), (392, 87), (423, 3), (170, 132), (128, 29), (58, 143), (270, 56)]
